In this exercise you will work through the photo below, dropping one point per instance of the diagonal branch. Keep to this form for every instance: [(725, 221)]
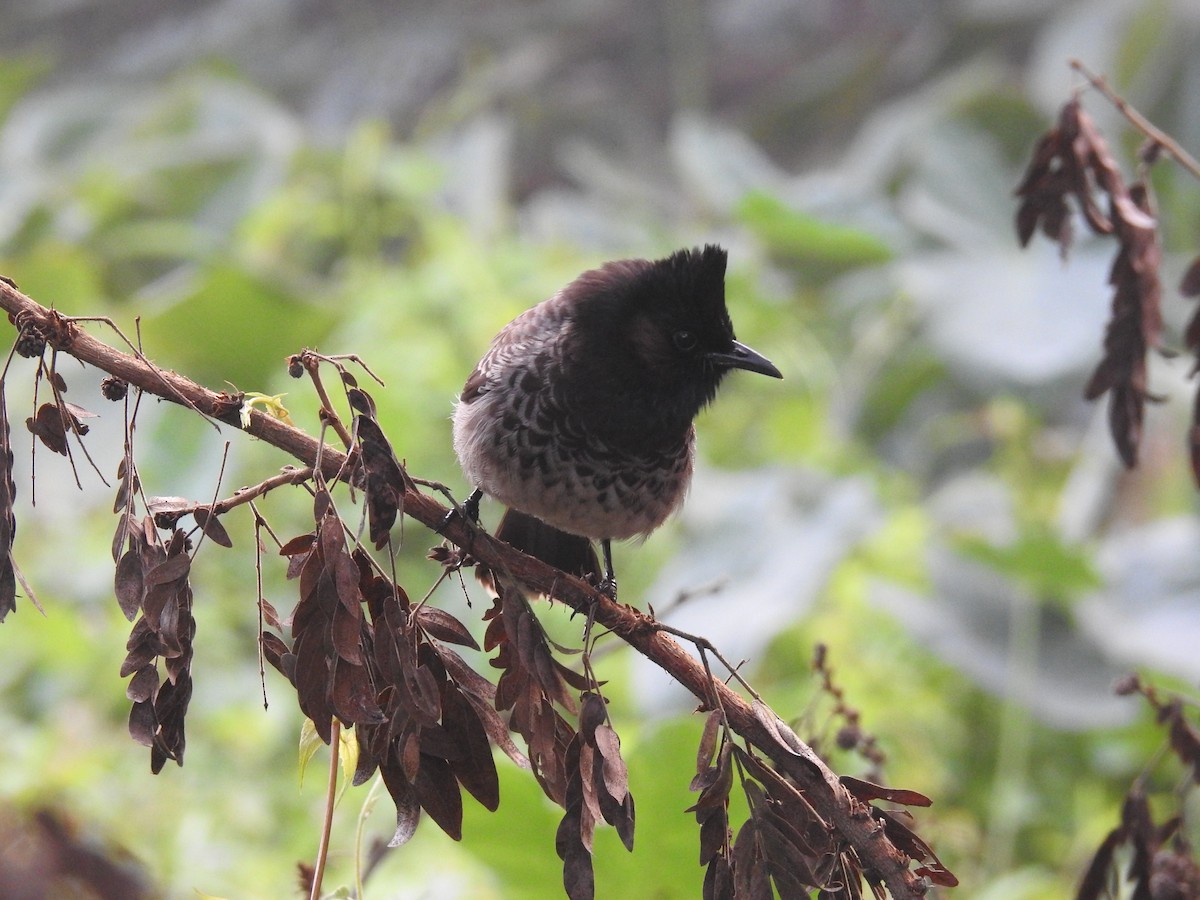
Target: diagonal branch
[(756, 724)]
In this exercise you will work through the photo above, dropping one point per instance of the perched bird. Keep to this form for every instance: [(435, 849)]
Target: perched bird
[(579, 417)]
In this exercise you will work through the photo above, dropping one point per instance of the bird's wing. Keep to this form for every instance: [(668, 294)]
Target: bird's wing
[(518, 342)]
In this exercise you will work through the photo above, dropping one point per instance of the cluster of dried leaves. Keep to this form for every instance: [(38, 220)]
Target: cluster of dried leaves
[(1072, 166), (785, 844), (361, 655), (50, 425), (152, 580), (1161, 863), (1072, 161)]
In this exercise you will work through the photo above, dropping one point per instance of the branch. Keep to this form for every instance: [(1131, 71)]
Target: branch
[(757, 725), (1138, 121)]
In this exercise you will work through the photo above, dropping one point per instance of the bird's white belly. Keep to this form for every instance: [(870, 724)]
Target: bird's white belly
[(596, 494)]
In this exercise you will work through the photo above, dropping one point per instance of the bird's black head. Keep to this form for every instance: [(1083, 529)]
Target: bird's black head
[(659, 330)]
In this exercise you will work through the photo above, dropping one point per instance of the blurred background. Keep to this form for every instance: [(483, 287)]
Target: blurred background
[(926, 492)]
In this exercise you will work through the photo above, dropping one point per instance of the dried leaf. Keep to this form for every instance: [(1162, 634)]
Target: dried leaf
[(1094, 885), (142, 724), (274, 649), (385, 480), (475, 768), (708, 740), (346, 632), (615, 774), (408, 809), (127, 583), (866, 792), (352, 695), (211, 526), (143, 685), (438, 793), (718, 880), (47, 426), (1189, 285), (173, 568), (1185, 739), (300, 544), (714, 833), (445, 627), (907, 842)]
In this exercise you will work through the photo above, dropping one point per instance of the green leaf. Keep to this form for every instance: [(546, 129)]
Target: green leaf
[(1038, 559), (806, 238), (309, 742)]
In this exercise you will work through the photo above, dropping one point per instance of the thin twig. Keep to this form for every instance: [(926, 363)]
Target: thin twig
[(1140, 122), (335, 740), (259, 522), (212, 505), (311, 363)]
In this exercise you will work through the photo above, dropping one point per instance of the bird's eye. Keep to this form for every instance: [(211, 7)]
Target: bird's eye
[(685, 341)]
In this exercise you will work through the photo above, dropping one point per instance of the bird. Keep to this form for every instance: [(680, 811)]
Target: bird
[(579, 417)]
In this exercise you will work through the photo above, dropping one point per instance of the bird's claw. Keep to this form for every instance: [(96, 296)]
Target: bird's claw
[(469, 510), (608, 587)]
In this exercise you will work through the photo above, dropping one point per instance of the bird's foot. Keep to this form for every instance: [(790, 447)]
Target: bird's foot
[(469, 510), (608, 587)]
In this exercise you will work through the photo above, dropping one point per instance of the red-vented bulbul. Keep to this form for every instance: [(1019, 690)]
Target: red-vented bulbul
[(579, 416)]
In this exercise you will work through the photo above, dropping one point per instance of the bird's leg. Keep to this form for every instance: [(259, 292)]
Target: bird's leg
[(469, 510), (608, 586)]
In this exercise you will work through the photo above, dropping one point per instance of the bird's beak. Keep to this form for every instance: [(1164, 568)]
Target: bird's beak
[(739, 356)]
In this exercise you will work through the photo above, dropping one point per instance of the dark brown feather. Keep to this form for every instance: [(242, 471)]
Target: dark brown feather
[(571, 553)]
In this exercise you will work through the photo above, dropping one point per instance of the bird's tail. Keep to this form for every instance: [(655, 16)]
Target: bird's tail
[(573, 554)]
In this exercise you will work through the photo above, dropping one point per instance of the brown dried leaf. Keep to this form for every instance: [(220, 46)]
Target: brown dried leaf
[(592, 714), (299, 545), (384, 479), (125, 523), (745, 859), (708, 740), (907, 842), (438, 793), (172, 569), (715, 782), (408, 809), (142, 723), (352, 694), (866, 792), (211, 526), (274, 650), (441, 625), (47, 426), (476, 767), (785, 862), (426, 694), (346, 633), (1094, 885), (579, 880), (577, 680), (312, 678), (1189, 285), (127, 583), (718, 880), (143, 685), (714, 833), (1185, 739), (615, 774)]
